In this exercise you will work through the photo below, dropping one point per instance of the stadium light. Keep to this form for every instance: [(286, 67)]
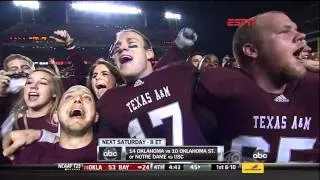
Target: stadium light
[(27, 4), (105, 7), (170, 15)]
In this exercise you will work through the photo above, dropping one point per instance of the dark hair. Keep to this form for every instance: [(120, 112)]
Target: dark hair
[(194, 54), (114, 71)]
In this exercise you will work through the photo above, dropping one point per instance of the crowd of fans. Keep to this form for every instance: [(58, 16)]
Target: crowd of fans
[(211, 101)]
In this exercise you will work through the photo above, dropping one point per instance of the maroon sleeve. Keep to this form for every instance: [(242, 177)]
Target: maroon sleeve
[(173, 55), (79, 67)]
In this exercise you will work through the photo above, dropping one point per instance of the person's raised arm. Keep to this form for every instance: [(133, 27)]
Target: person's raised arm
[(184, 41)]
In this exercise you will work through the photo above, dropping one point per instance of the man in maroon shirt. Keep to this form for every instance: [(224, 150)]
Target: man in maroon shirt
[(272, 102), (154, 103), (76, 114)]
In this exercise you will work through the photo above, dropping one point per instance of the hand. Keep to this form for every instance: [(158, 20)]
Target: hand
[(315, 56), (186, 38), (17, 139), (312, 65), (4, 82), (52, 61), (311, 60), (62, 36)]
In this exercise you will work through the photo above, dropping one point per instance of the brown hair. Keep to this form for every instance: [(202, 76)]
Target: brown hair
[(57, 88), (114, 71), (16, 56)]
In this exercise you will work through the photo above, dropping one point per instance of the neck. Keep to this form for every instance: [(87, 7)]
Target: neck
[(147, 71), (34, 112), (267, 82), (68, 141)]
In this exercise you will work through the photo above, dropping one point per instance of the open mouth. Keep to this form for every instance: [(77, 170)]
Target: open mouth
[(125, 59), (298, 53), (33, 96), (77, 113), (100, 86)]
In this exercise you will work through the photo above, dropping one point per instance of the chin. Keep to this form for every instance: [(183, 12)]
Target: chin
[(295, 73), (33, 105)]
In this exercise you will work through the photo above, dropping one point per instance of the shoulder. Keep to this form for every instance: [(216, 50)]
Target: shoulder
[(222, 73), (225, 79), (175, 70)]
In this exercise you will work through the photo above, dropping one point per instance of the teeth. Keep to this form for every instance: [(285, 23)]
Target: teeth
[(33, 94), (125, 56), (297, 53)]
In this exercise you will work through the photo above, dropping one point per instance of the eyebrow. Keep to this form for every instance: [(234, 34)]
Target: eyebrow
[(128, 39), (72, 91), (40, 78), (289, 26), (44, 79), (102, 72), (12, 67)]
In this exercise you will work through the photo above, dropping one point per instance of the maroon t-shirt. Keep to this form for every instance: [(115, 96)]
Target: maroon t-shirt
[(38, 123), (158, 106), (284, 125), (47, 153)]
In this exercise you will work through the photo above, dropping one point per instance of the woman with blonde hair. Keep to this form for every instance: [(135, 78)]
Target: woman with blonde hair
[(37, 102)]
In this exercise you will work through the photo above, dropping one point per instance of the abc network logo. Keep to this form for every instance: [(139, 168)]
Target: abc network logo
[(260, 155), (237, 157), (110, 153)]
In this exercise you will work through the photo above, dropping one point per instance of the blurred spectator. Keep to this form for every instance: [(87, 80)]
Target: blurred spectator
[(209, 61), (12, 79), (195, 58), (228, 61)]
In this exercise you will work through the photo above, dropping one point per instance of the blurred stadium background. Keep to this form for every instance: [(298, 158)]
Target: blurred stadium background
[(26, 31)]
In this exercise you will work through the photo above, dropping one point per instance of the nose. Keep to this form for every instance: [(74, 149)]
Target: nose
[(300, 37), (34, 86), (123, 47), (99, 76), (78, 99)]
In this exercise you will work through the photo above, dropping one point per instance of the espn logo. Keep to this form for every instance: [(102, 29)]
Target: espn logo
[(252, 168), (231, 22)]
